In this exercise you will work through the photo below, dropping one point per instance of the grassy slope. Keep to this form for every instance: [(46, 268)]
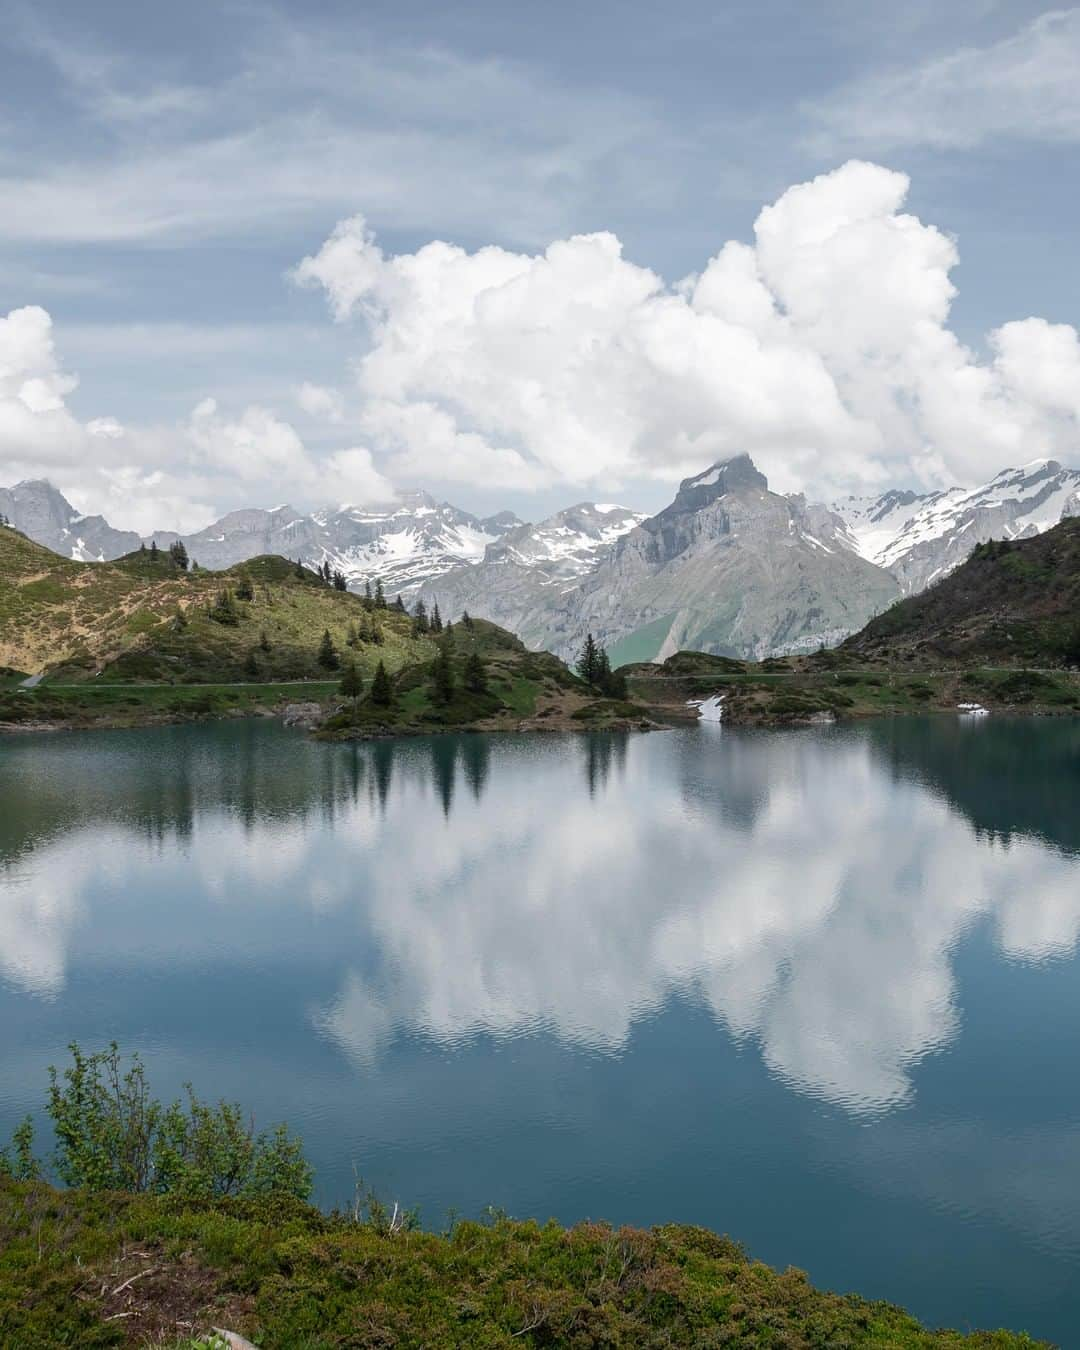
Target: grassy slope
[(534, 688), (288, 1277), (1011, 604), (107, 635), (116, 620)]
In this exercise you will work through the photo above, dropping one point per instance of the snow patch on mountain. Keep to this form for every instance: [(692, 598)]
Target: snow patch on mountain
[(920, 538)]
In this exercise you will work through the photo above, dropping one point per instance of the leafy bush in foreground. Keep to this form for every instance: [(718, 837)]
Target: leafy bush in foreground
[(111, 1134)]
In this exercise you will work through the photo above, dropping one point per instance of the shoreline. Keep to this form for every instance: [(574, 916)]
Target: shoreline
[(658, 698)]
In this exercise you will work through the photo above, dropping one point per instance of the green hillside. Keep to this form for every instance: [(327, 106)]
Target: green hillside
[(143, 620), (1013, 603)]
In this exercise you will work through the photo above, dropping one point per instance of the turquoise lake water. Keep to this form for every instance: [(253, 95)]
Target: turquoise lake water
[(818, 989)]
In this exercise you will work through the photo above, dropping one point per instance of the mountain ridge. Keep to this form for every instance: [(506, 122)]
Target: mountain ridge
[(647, 584)]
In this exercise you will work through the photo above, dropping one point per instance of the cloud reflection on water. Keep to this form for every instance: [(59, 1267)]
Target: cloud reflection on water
[(810, 889)]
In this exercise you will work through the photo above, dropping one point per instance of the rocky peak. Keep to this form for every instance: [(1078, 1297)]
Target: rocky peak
[(737, 474)]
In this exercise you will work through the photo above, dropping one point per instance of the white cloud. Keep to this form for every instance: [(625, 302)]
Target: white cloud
[(154, 477), (33, 418), (108, 427), (823, 349), (1041, 361), (1024, 87), (318, 401)]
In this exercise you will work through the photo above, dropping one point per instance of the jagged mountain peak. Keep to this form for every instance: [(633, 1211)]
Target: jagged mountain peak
[(738, 473), (41, 511), (727, 475)]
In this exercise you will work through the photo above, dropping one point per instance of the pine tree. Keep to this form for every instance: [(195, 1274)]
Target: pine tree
[(178, 553), (352, 636), (153, 550), (367, 593), (399, 604), (224, 609), (380, 598), (142, 547), (466, 619), (352, 684), (299, 570), (475, 674), (436, 619), (612, 682), (382, 691), (327, 656), (376, 633), (244, 589), (339, 582), (444, 673), (420, 619), (588, 662), (603, 669)]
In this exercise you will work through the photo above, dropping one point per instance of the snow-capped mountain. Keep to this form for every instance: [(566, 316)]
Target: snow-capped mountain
[(46, 516), (565, 546), (523, 574), (729, 567), (404, 545), (921, 538)]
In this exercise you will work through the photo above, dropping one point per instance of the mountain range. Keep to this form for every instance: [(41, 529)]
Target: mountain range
[(921, 538), (728, 567)]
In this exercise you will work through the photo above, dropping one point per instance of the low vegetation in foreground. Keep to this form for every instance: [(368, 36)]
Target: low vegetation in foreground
[(115, 1269), (181, 1219)]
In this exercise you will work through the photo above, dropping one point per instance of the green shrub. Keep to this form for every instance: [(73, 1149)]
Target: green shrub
[(111, 1134)]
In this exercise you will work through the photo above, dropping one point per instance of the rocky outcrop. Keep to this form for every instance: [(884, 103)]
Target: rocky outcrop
[(46, 516)]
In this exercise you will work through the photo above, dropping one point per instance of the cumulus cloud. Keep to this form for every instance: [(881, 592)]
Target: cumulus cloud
[(153, 477), (823, 349), (318, 401), (33, 416)]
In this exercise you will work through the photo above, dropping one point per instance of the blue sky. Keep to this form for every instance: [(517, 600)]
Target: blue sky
[(165, 169)]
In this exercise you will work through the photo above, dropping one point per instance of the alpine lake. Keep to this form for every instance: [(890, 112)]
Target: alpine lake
[(815, 988)]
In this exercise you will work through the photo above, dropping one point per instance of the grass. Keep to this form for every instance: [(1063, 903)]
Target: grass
[(110, 1269), (118, 621), (801, 690), (83, 705)]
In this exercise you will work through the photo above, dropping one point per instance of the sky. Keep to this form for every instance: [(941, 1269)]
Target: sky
[(523, 256)]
